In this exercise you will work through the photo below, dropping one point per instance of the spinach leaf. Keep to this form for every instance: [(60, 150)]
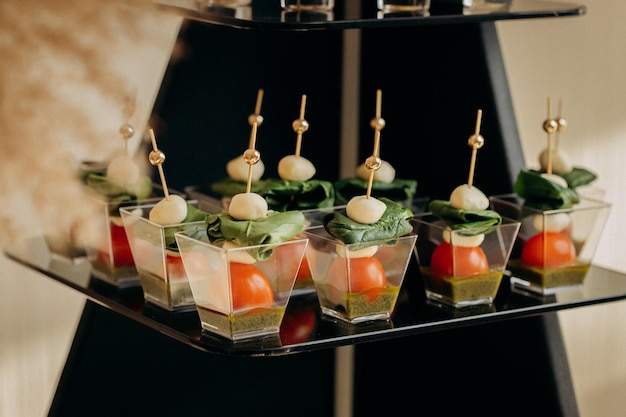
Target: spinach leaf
[(397, 190), (112, 190), (276, 227), (543, 194), (194, 214), (394, 223), (479, 221), (284, 195), (578, 177), (229, 187)]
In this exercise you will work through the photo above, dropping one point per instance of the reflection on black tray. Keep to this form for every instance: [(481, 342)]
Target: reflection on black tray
[(303, 328)]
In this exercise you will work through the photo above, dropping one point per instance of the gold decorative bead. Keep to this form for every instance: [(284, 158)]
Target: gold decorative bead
[(300, 125), (550, 125), (156, 157), (255, 118), (476, 141), (127, 131), (377, 123), (251, 156), (373, 163), (562, 124)]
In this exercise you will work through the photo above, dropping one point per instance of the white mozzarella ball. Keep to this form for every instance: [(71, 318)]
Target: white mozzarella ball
[(344, 252), (468, 198), (560, 161), (556, 222), (555, 179), (172, 210), (386, 173), (365, 210), (295, 168), (123, 170), (456, 239), (247, 206), (239, 256), (237, 169)]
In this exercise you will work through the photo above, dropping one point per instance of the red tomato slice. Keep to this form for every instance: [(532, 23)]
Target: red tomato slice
[(250, 286), (458, 261), (548, 250), (366, 275)]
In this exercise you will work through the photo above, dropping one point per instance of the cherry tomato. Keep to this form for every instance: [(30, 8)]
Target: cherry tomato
[(250, 286), (122, 256), (366, 275), (304, 273), (550, 249), (289, 256), (458, 261), (175, 267)]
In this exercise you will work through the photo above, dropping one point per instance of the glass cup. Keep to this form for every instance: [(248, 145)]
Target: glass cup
[(157, 258), (485, 6), (392, 6), (307, 4), (109, 253), (462, 267), (237, 296), (554, 248), (357, 284)]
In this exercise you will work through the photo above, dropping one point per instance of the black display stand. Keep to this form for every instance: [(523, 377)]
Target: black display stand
[(434, 79)]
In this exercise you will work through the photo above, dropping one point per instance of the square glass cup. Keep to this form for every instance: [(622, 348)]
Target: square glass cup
[(110, 255), (157, 258), (237, 296), (393, 6), (465, 267), (356, 284), (554, 248)]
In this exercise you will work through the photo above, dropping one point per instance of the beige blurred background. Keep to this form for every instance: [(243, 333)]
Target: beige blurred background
[(581, 60)]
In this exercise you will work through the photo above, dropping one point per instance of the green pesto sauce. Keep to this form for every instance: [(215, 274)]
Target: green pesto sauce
[(358, 304), (249, 321), (549, 277), (167, 294), (463, 289)]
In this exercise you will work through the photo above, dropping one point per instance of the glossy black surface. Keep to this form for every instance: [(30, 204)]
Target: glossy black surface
[(268, 14), (414, 314)]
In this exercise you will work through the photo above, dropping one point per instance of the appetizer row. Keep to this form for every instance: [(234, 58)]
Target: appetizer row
[(238, 265)]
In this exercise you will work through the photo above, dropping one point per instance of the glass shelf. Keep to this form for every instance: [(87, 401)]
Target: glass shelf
[(267, 14), (303, 327)]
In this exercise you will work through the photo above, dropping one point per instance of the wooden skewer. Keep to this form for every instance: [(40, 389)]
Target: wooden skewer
[(259, 100), (476, 141), (373, 162), (549, 129), (561, 124), (157, 158), (251, 156), (255, 118), (300, 125)]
